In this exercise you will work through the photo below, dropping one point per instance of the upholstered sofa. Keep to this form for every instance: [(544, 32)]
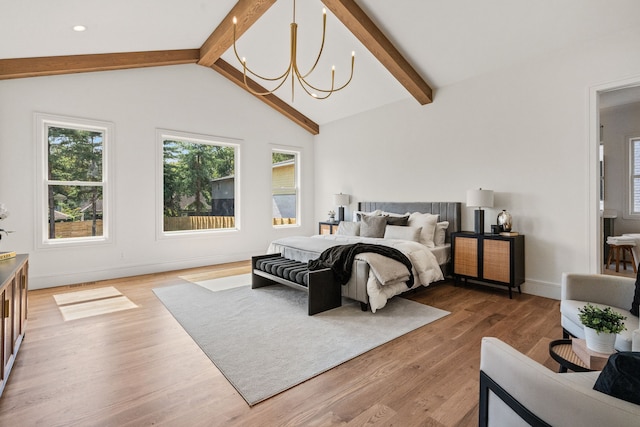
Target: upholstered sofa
[(602, 291), (517, 391)]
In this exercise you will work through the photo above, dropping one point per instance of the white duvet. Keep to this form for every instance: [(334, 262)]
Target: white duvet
[(425, 266)]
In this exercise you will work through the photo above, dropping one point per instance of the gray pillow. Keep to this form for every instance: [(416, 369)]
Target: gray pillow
[(398, 220), (372, 226)]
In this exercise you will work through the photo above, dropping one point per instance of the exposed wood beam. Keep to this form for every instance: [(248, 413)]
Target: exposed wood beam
[(53, 65), (357, 21), (236, 76), (247, 12)]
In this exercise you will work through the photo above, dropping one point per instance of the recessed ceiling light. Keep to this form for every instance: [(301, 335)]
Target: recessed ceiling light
[(79, 28)]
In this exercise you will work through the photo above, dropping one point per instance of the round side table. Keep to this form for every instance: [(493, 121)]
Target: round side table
[(562, 352)]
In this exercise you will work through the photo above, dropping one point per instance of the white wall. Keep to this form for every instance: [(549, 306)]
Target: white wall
[(186, 98), (523, 132), (620, 123)]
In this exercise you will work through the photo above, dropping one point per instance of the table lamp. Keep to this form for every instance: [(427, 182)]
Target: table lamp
[(341, 200), (479, 199)]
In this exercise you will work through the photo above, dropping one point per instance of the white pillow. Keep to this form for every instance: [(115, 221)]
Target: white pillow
[(402, 232), (428, 224), (347, 228), (440, 233)]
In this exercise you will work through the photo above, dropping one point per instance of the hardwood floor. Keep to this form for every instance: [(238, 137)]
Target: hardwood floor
[(139, 367)]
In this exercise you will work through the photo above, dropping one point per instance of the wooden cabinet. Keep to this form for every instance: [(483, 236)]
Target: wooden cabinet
[(327, 227), (488, 258), (13, 311)]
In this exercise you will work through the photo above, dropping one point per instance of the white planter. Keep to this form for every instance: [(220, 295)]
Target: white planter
[(602, 343)]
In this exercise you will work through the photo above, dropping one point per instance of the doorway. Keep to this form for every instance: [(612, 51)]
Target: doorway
[(608, 171)]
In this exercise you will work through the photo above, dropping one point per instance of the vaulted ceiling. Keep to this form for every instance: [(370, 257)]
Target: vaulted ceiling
[(404, 48)]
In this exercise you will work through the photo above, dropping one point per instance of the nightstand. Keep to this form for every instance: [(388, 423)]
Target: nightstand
[(489, 258), (328, 227)]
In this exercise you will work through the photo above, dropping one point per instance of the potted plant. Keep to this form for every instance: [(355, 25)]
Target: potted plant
[(600, 327)]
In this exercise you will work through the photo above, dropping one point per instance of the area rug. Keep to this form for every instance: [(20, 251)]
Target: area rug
[(263, 341), (222, 283)]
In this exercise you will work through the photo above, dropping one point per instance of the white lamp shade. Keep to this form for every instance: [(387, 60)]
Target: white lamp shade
[(341, 199), (480, 198)]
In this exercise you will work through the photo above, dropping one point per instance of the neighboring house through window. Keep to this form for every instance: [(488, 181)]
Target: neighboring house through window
[(199, 184), (74, 193), (284, 184)]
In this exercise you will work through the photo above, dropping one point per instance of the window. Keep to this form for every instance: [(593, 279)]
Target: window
[(199, 184), (634, 178), (74, 195), (284, 185)]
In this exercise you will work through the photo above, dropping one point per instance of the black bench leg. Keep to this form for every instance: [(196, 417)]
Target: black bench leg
[(324, 292), (364, 306)]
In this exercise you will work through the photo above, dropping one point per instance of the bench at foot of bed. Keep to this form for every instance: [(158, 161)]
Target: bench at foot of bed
[(324, 293)]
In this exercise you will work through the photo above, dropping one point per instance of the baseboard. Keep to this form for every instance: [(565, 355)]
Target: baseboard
[(531, 287), (541, 289), (64, 279)]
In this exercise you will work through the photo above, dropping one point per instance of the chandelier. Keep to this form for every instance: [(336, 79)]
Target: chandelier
[(292, 69)]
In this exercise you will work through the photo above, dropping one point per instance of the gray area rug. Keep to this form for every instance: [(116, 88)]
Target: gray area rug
[(263, 341)]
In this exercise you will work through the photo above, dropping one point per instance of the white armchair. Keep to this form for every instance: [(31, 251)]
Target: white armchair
[(517, 391), (602, 291)]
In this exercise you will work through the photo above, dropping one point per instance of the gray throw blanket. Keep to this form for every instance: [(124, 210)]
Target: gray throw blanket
[(340, 259)]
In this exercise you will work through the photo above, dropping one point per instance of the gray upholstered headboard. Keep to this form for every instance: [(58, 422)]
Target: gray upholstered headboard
[(448, 211)]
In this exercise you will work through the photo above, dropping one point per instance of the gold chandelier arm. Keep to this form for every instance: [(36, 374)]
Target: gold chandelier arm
[(324, 27), (268, 92), (302, 80), (305, 86), (249, 70)]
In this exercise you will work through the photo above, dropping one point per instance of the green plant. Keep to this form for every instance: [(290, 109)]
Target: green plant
[(602, 319)]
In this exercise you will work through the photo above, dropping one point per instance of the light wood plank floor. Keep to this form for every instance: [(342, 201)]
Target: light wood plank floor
[(138, 367)]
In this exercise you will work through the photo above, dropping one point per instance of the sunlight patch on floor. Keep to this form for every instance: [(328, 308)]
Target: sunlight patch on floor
[(92, 302)]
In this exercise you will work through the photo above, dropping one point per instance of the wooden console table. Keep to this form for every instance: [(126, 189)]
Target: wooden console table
[(13, 311)]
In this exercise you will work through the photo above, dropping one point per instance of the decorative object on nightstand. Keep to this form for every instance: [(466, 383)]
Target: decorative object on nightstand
[(341, 200), (332, 216), (505, 220), (479, 199)]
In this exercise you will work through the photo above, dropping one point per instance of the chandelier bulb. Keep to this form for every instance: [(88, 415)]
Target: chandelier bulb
[(235, 20)]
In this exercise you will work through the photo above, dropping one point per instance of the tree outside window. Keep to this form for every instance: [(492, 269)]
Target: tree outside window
[(198, 184), (74, 182)]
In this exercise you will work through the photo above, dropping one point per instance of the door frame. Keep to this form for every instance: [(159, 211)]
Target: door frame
[(596, 262)]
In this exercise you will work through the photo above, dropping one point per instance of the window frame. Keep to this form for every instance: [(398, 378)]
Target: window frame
[(163, 134), (297, 151), (43, 122), (629, 211)]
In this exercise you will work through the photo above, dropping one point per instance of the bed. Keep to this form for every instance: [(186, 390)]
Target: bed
[(366, 284)]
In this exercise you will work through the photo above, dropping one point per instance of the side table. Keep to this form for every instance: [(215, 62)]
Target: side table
[(328, 227), (562, 352)]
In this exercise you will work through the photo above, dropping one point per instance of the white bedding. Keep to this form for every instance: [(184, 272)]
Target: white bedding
[(426, 269)]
